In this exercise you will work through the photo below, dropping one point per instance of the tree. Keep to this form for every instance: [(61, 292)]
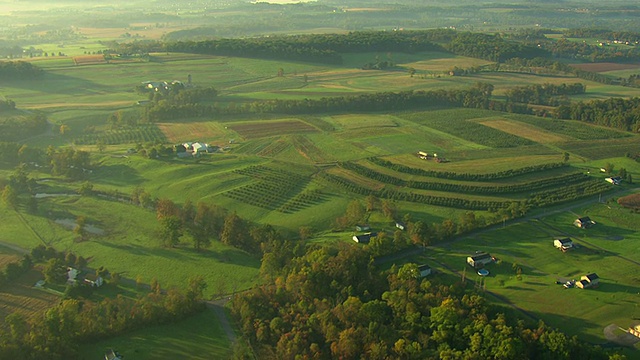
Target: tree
[(388, 209), (10, 196), (170, 230), (355, 212), (236, 233), (85, 189), (609, 167), (372, 202), (565, 157), (305, 232), (411, 71), (55, 271), (80, 229), (64, 129)]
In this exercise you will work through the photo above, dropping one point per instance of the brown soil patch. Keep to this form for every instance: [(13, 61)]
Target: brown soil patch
[(272, 128), (23, 298), (603, 67), (524, 130)]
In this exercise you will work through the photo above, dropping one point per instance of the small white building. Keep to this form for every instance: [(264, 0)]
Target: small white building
[(563, 244)]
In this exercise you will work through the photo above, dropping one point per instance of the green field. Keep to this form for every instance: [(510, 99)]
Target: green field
[(197, 337), (609, 249), (272, 169)]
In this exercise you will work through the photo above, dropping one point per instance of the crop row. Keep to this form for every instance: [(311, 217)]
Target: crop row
[(303, 200), (308, 149), (125, 136), (262, 194), (280, 177), (541, 198), (385, 193), (573, 129), (274, 148), (568, 193), (561, 180), (466, 176), (471, 131)]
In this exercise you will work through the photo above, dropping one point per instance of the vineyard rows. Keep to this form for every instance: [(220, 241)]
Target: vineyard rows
[(140, 134), (472, 131), (540, 184), (466, 176), (274, 190)]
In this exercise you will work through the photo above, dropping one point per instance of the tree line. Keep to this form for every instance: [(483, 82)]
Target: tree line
[(623, 114), (545, 94), (19, 70), (20, 127)]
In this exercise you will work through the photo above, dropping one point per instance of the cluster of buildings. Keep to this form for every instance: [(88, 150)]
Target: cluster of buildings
[(188, 149)]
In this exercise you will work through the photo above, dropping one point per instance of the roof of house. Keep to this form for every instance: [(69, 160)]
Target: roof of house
[(584, 219), (565, 241), (592, 276), (424, 267), (584, 283), (480, 256)]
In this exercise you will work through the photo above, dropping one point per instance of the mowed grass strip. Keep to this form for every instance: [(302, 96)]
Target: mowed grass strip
[(523, 130), (254, 130)]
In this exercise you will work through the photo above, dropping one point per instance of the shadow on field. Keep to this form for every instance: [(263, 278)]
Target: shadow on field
[(60, 84), (570, 325), (117, 174), (608, 286)]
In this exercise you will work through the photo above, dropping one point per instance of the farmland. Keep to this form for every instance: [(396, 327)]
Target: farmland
[(295, 171)]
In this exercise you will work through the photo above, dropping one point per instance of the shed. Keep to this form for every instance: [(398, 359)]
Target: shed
[(584, 222), (479, 259), (425, 270)]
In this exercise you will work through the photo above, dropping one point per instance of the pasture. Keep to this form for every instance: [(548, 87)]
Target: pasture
[(529, 246)]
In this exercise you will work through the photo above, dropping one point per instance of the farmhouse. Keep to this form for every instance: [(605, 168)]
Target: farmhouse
[(364, 238), (563, 244), (363, 227), (400, 225), (588, 281), (635, 330), (584, 222), (479, 259), (425, 270), (615, 180)]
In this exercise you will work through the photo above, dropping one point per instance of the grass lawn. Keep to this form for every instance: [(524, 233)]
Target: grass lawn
[(197, 337)]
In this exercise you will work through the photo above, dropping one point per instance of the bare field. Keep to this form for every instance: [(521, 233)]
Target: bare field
[(21, 297), (203, 131), (272, 128), (523, 130)]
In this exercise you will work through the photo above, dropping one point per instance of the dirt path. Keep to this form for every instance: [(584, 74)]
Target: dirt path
[(218, 307)]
